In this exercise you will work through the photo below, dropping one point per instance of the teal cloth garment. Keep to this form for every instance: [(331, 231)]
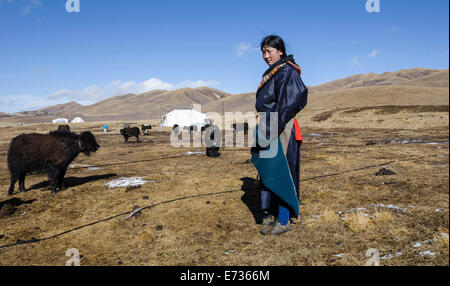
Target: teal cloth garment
[(276, 176)]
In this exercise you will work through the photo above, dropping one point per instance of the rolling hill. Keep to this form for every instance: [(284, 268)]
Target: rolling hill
[(417, 86)]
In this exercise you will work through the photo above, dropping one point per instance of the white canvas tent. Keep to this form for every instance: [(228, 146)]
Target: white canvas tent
[(183, 117), (61, 120), (78, 120)]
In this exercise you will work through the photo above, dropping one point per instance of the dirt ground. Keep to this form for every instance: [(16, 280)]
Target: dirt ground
[(203, 211)]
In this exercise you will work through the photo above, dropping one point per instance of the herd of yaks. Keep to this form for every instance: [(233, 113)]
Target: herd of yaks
[(52, 153)]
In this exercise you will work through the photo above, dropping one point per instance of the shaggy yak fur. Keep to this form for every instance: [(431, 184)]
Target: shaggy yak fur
[(64, 128), (46, 153), (130, 132)]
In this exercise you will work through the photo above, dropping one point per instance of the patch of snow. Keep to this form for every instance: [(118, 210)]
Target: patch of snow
[(418, 244), (195, 153), (427, 253), (77, 165), (126, 182), (229, 251), (388, 256), (93, 168), (393, 207), (340, 255), (356, 209)]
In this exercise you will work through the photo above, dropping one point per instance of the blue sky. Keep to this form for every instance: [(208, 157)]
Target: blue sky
[(49, 56)]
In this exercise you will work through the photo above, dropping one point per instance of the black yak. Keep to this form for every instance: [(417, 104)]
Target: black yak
[(213, 140), (65, 128), (130, 132), (46, 153), (145, 129)]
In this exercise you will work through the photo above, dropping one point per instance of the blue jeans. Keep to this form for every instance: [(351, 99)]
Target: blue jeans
[(266, 200)]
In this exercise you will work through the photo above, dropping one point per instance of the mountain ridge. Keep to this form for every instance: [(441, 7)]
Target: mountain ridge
[(402, 87)]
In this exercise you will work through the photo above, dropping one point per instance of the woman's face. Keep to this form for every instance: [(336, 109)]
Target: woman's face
[(271, 55)]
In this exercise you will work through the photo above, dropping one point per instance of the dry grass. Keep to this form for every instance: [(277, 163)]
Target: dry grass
[(383, 217), (358, 222), (442, 240), (203, 210)]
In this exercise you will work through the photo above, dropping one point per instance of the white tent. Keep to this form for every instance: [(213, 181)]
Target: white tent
[(78, 120), (61, 120), (183, 117)]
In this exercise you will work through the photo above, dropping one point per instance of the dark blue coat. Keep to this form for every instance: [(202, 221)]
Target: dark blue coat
[(286, 94)]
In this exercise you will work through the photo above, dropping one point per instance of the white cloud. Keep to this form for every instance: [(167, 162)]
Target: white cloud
[(95, 93), (198, 83), (24, 102), (374, 53), (92, 94), (119, 87), (153, 84), (355, 62), (241, 48), (60, 93)]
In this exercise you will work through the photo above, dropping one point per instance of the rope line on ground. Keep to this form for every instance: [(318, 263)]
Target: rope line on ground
[(34, 240)]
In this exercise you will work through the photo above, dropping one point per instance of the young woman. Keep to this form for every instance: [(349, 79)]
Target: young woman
[(281, 94)]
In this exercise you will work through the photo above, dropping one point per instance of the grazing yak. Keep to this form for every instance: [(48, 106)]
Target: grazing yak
[(46, 153), (130, 132), (213, 140), (65, 128), (146, 129)]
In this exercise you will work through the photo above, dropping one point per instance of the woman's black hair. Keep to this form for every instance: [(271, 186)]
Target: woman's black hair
[(276, 42)]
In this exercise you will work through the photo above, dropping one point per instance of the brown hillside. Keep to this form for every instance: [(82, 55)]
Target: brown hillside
[(418, 76), (69, 108), (404, 87), (149, 105)]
